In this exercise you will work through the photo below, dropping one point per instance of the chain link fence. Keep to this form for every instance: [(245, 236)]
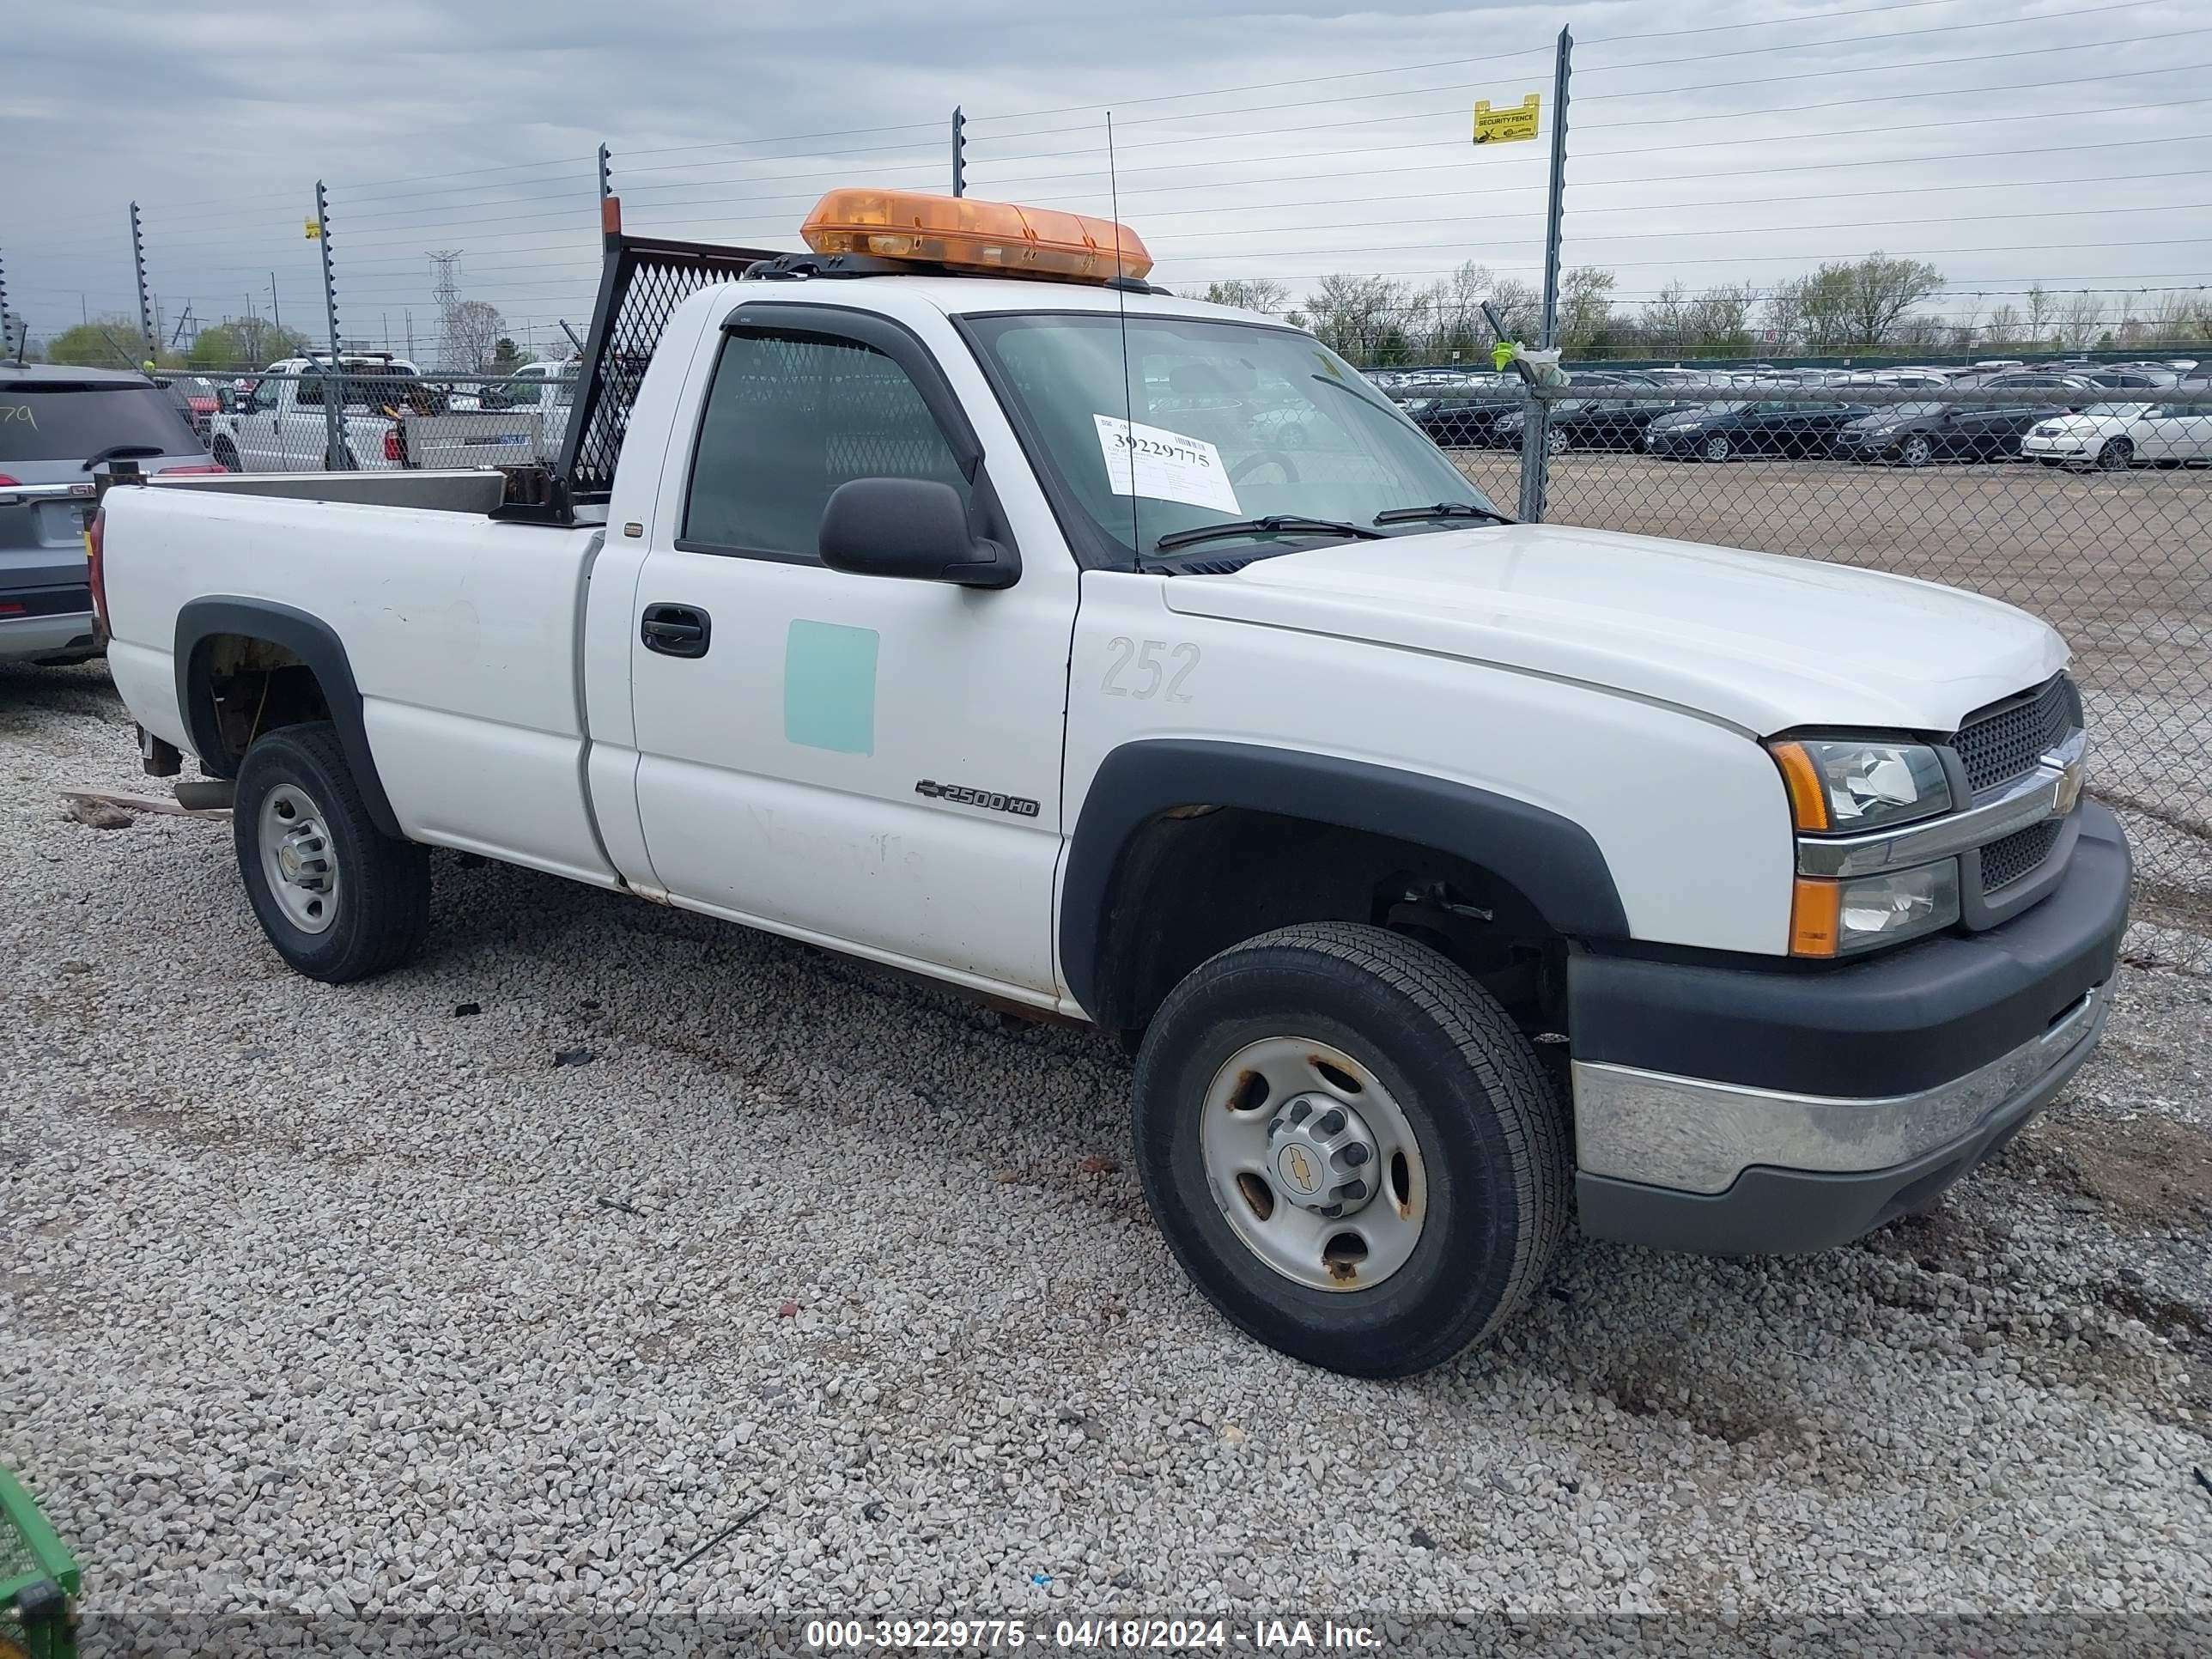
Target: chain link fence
[(2094, 515), (388, 415)]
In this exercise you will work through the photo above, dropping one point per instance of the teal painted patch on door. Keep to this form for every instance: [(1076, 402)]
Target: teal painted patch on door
[(830, 687)]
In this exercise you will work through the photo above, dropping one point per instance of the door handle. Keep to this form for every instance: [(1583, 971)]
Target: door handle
[(676, 630)]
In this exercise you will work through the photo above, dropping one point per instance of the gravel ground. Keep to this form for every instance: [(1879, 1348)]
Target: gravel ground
[(320, 1308)]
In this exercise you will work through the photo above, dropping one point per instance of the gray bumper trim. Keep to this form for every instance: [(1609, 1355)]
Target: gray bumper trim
[(1789, 1212), (1696, 1136), (26, 638)]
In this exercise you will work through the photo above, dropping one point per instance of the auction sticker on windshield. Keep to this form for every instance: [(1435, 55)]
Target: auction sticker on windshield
[(1166, 466)]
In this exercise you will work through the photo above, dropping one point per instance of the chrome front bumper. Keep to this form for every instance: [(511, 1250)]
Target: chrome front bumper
[(1696, 1136)]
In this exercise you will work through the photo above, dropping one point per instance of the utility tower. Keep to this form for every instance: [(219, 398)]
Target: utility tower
[(448, 292)]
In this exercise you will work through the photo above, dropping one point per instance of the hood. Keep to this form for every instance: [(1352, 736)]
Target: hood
[(1762, 641)]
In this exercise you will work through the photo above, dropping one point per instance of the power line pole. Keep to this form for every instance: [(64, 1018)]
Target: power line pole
[(959, 152), (448, 295), (275, 310)]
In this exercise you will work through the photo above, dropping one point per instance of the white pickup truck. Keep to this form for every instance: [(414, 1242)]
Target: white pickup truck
[(1452, 877), (389, 418)]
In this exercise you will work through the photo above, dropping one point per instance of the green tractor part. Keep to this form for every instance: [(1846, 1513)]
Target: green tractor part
[(39, 1581)]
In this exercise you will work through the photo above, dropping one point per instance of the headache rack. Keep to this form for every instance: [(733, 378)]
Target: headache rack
[(642, 282)]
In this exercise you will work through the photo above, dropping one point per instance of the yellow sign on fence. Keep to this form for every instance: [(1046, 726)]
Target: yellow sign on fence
[(1508, 125)]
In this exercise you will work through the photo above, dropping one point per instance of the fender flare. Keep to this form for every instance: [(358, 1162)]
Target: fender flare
[(310, 639), (1551, 858)]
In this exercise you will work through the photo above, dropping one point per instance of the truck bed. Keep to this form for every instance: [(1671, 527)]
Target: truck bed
[(473, 705)]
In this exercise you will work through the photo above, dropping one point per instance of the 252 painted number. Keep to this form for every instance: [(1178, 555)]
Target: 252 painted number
[(1152, 673)]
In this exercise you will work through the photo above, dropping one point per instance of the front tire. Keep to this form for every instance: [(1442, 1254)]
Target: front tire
[(226, 455), (1350, 1148), (1716, 448), (1916, 451), (338, 898), (2117, 456)]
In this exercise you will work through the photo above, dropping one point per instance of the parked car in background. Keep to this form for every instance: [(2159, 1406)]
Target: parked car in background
[(60, 427), (2116, 437), (1616, 423), (2132, 377), (1464, 419), (198, 398), (1916, 435), (535, 386), (1720, 432), (389, 417), (2025, 379)]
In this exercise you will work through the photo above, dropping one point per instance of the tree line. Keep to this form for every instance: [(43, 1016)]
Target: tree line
[(476, 339), (1874, 303)]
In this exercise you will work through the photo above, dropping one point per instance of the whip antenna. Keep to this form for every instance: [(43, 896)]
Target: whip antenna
[(1121, 303)]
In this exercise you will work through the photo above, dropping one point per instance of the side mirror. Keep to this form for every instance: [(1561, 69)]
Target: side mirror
[(915, 528)]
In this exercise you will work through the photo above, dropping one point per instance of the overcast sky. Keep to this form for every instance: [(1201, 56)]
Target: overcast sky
[(1739, 140)]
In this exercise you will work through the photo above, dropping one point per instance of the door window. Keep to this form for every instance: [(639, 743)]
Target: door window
[(789, 418), (264, 396)]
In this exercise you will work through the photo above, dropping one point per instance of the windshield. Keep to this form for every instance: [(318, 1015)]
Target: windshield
[(2116, 411), (1215, 422), (60, 421), (1910, 411)]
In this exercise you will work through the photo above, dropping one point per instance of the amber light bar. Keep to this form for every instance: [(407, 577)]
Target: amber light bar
[(967, 234)]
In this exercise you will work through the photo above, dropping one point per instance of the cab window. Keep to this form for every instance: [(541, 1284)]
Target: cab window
[(789, 418)]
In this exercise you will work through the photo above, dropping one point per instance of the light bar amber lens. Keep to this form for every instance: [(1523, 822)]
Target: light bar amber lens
[(968, 235), (1816, 918), (1809, 795)]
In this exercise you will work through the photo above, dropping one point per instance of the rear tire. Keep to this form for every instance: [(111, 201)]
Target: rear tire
[(1462, 1136), (339, 899)]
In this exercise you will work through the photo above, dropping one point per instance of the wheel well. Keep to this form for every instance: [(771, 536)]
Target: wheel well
[(255, 685), (1194, 880)]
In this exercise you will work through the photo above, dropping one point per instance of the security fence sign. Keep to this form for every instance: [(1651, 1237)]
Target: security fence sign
[(1508, 125)]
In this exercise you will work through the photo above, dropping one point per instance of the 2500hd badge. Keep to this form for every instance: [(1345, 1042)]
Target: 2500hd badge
[(988, 799)]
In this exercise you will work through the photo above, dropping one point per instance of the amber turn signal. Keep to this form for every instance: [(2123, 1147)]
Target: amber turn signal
[(1809, 796), (1816, 917)]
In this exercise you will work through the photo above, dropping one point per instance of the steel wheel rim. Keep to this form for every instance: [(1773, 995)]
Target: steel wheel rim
[(298, 859), (1261, 1085)]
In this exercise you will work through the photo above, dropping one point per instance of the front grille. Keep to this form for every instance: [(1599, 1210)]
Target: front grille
[(2020, 853), (2009, 739)]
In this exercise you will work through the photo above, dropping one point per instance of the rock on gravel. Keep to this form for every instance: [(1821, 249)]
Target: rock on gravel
[(323, 1311)]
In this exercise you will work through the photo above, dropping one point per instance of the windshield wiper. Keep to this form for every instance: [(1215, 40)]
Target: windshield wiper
[(1274, 524), (1441, 510)]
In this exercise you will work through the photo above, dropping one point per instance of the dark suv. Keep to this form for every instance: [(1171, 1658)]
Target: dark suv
[(59, 427)]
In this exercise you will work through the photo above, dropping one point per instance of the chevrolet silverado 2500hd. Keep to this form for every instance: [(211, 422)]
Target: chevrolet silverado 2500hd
[(1453, 875)]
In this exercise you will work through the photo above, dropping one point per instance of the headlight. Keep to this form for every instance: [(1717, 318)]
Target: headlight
[(1836, 917), (1844, 784)]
